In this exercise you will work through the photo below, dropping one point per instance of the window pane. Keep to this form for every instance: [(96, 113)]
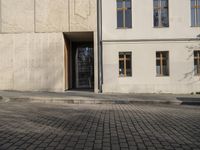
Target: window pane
[(195, 70), (155, 3), (198, 16), (157, 62), (128, 3), (128, 55), (195, 53), (165, 70), (128, 18), (164, 3), (165, 55), (121, 56), (156, 13), (158, 70), (121, 68), (164, 18), (128, 68), (192, 3), (119, 18), (193, 17), (119, 3), (156, 20), (195, 62), (195, 67), (128, 64)]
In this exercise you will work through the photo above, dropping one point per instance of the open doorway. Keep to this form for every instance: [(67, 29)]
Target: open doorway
[(79, 61)]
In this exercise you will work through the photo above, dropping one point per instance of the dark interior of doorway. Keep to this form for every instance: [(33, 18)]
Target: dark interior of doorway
[(82, 70), (77, 44)]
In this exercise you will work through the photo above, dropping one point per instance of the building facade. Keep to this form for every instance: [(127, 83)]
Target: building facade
[(123, 46), (39, 41), (151, 46)]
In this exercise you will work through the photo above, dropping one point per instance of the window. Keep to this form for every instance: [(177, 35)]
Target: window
[(162, 63), (197, 62), (195, 13), (125, 67), (161, 15), (124, 14)]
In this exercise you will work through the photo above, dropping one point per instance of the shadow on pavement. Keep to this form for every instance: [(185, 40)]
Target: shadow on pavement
[(189, 100)]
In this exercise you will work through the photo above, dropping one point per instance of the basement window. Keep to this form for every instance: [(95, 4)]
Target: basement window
[(162, 63), (197, 62), (125, 64)]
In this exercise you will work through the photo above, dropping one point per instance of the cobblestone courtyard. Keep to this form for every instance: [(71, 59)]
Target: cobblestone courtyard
[(47, 126)]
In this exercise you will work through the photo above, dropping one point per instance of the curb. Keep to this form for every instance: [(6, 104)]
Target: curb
[(81, 100)]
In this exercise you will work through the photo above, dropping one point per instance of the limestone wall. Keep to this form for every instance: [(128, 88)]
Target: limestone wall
[(82, 15), (52, 15), (32, 43), (19, 16), (32, 62)]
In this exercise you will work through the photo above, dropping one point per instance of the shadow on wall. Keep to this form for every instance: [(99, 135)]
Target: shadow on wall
[(189, 75)]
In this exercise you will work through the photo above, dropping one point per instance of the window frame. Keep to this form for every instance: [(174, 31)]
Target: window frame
[(161, 64), (159, 9), (124, 59), (124, 8), (198, 62), (197, 14)]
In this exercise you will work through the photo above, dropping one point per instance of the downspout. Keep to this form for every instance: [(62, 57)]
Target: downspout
[(99, 43)]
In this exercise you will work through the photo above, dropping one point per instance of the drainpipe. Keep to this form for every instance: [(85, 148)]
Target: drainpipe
[(99, 43)]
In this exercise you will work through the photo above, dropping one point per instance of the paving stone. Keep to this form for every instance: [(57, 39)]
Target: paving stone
[(86, 127)]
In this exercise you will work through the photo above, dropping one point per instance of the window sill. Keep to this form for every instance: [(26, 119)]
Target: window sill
[(123, 28), (162, 76), (161, 27), (125, 77), (195, 26)]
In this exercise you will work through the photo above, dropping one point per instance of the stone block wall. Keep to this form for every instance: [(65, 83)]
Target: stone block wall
[(17, 16), (22, 16), (32, 62), (32, 42)]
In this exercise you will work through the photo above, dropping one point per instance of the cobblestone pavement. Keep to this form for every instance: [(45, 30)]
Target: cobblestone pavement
[(46, 126)]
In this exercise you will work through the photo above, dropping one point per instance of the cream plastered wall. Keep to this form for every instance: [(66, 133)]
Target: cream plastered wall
[(32, 42), (142, 21), (144, 79)]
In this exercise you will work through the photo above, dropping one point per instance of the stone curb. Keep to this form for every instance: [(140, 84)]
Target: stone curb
[(83, 100)]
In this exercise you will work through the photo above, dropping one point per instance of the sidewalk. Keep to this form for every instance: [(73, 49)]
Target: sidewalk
[(79, 97)]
